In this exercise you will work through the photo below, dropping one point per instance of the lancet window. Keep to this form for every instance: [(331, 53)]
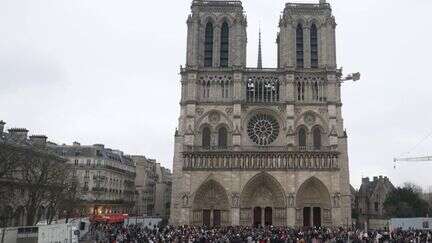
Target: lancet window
[(316, 138), (299, 46), (302, 138), (208, 45), (225, 87), (222, 138), (224, 47), (206, 137), (314, 46)]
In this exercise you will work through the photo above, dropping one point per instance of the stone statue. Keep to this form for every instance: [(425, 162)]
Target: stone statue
[(337, 199), (291, 200), (185, 200), (235, 200)]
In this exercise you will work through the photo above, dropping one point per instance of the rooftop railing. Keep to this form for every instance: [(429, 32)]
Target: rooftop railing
[(307, 5)]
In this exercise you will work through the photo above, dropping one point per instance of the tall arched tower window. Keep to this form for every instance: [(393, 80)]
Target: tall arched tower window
[(317, 138), (208, 45), (299, 46), (224, 47), (314, 46), (302, 137), (206, 134), (222, 138)]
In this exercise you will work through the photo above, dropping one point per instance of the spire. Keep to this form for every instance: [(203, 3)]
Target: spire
[(259, 51)]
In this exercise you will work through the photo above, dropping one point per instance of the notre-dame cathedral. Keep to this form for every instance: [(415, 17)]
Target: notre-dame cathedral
[(260, 146)]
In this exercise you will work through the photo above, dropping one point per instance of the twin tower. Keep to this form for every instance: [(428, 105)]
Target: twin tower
[(260, 146)]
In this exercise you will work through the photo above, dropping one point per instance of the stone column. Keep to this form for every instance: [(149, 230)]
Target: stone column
[(216, 45), (322, 46), (235, 216), (306, 47), (291, 216)]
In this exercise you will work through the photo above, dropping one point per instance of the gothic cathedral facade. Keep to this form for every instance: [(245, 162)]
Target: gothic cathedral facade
[(260, 146)]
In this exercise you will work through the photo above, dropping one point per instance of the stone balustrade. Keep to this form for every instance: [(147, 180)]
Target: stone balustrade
[(305, 160)]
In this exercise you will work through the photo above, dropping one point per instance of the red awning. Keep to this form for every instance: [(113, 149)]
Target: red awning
[(109, 218)]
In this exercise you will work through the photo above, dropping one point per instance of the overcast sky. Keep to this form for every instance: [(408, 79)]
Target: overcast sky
[(106, 71)]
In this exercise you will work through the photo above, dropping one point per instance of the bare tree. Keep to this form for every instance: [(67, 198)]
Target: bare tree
[(414, 187), (10, 160), (43, 173), (64, 199)]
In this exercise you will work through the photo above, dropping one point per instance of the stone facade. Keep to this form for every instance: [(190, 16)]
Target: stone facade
[(153, 186), (106, 177), (163, 192), (260, 146), (370, 198), (17, 184)]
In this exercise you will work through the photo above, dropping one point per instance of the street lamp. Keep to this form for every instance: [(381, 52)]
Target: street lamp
[(352, 76)]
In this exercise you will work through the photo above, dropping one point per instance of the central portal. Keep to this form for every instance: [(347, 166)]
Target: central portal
[(263, 197)]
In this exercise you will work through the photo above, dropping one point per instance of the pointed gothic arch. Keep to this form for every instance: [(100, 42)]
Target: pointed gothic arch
[(222, 137), (211, 204), (317, 137), (302, 137), (318, 120), (206, 137), (313, 204), (263, 201)]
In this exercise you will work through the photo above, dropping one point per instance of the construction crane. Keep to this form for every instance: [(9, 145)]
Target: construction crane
[(413, 159)]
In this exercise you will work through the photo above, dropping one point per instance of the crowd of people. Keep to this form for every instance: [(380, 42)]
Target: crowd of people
[(117, 233)]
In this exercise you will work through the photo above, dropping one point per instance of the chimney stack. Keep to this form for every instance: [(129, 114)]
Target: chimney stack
[(18, 135), (38, 140), (99, 146), (76, 144), (365, 180), (2, 124), (375, 178)]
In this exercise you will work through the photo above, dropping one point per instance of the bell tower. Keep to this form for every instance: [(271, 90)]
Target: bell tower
[(307, 36), (216, 34)]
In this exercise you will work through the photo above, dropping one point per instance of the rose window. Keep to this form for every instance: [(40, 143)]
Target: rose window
[(263, 129)]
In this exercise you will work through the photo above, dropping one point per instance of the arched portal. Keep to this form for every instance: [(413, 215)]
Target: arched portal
[(211, 205), (263, 202), (313, 204)]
